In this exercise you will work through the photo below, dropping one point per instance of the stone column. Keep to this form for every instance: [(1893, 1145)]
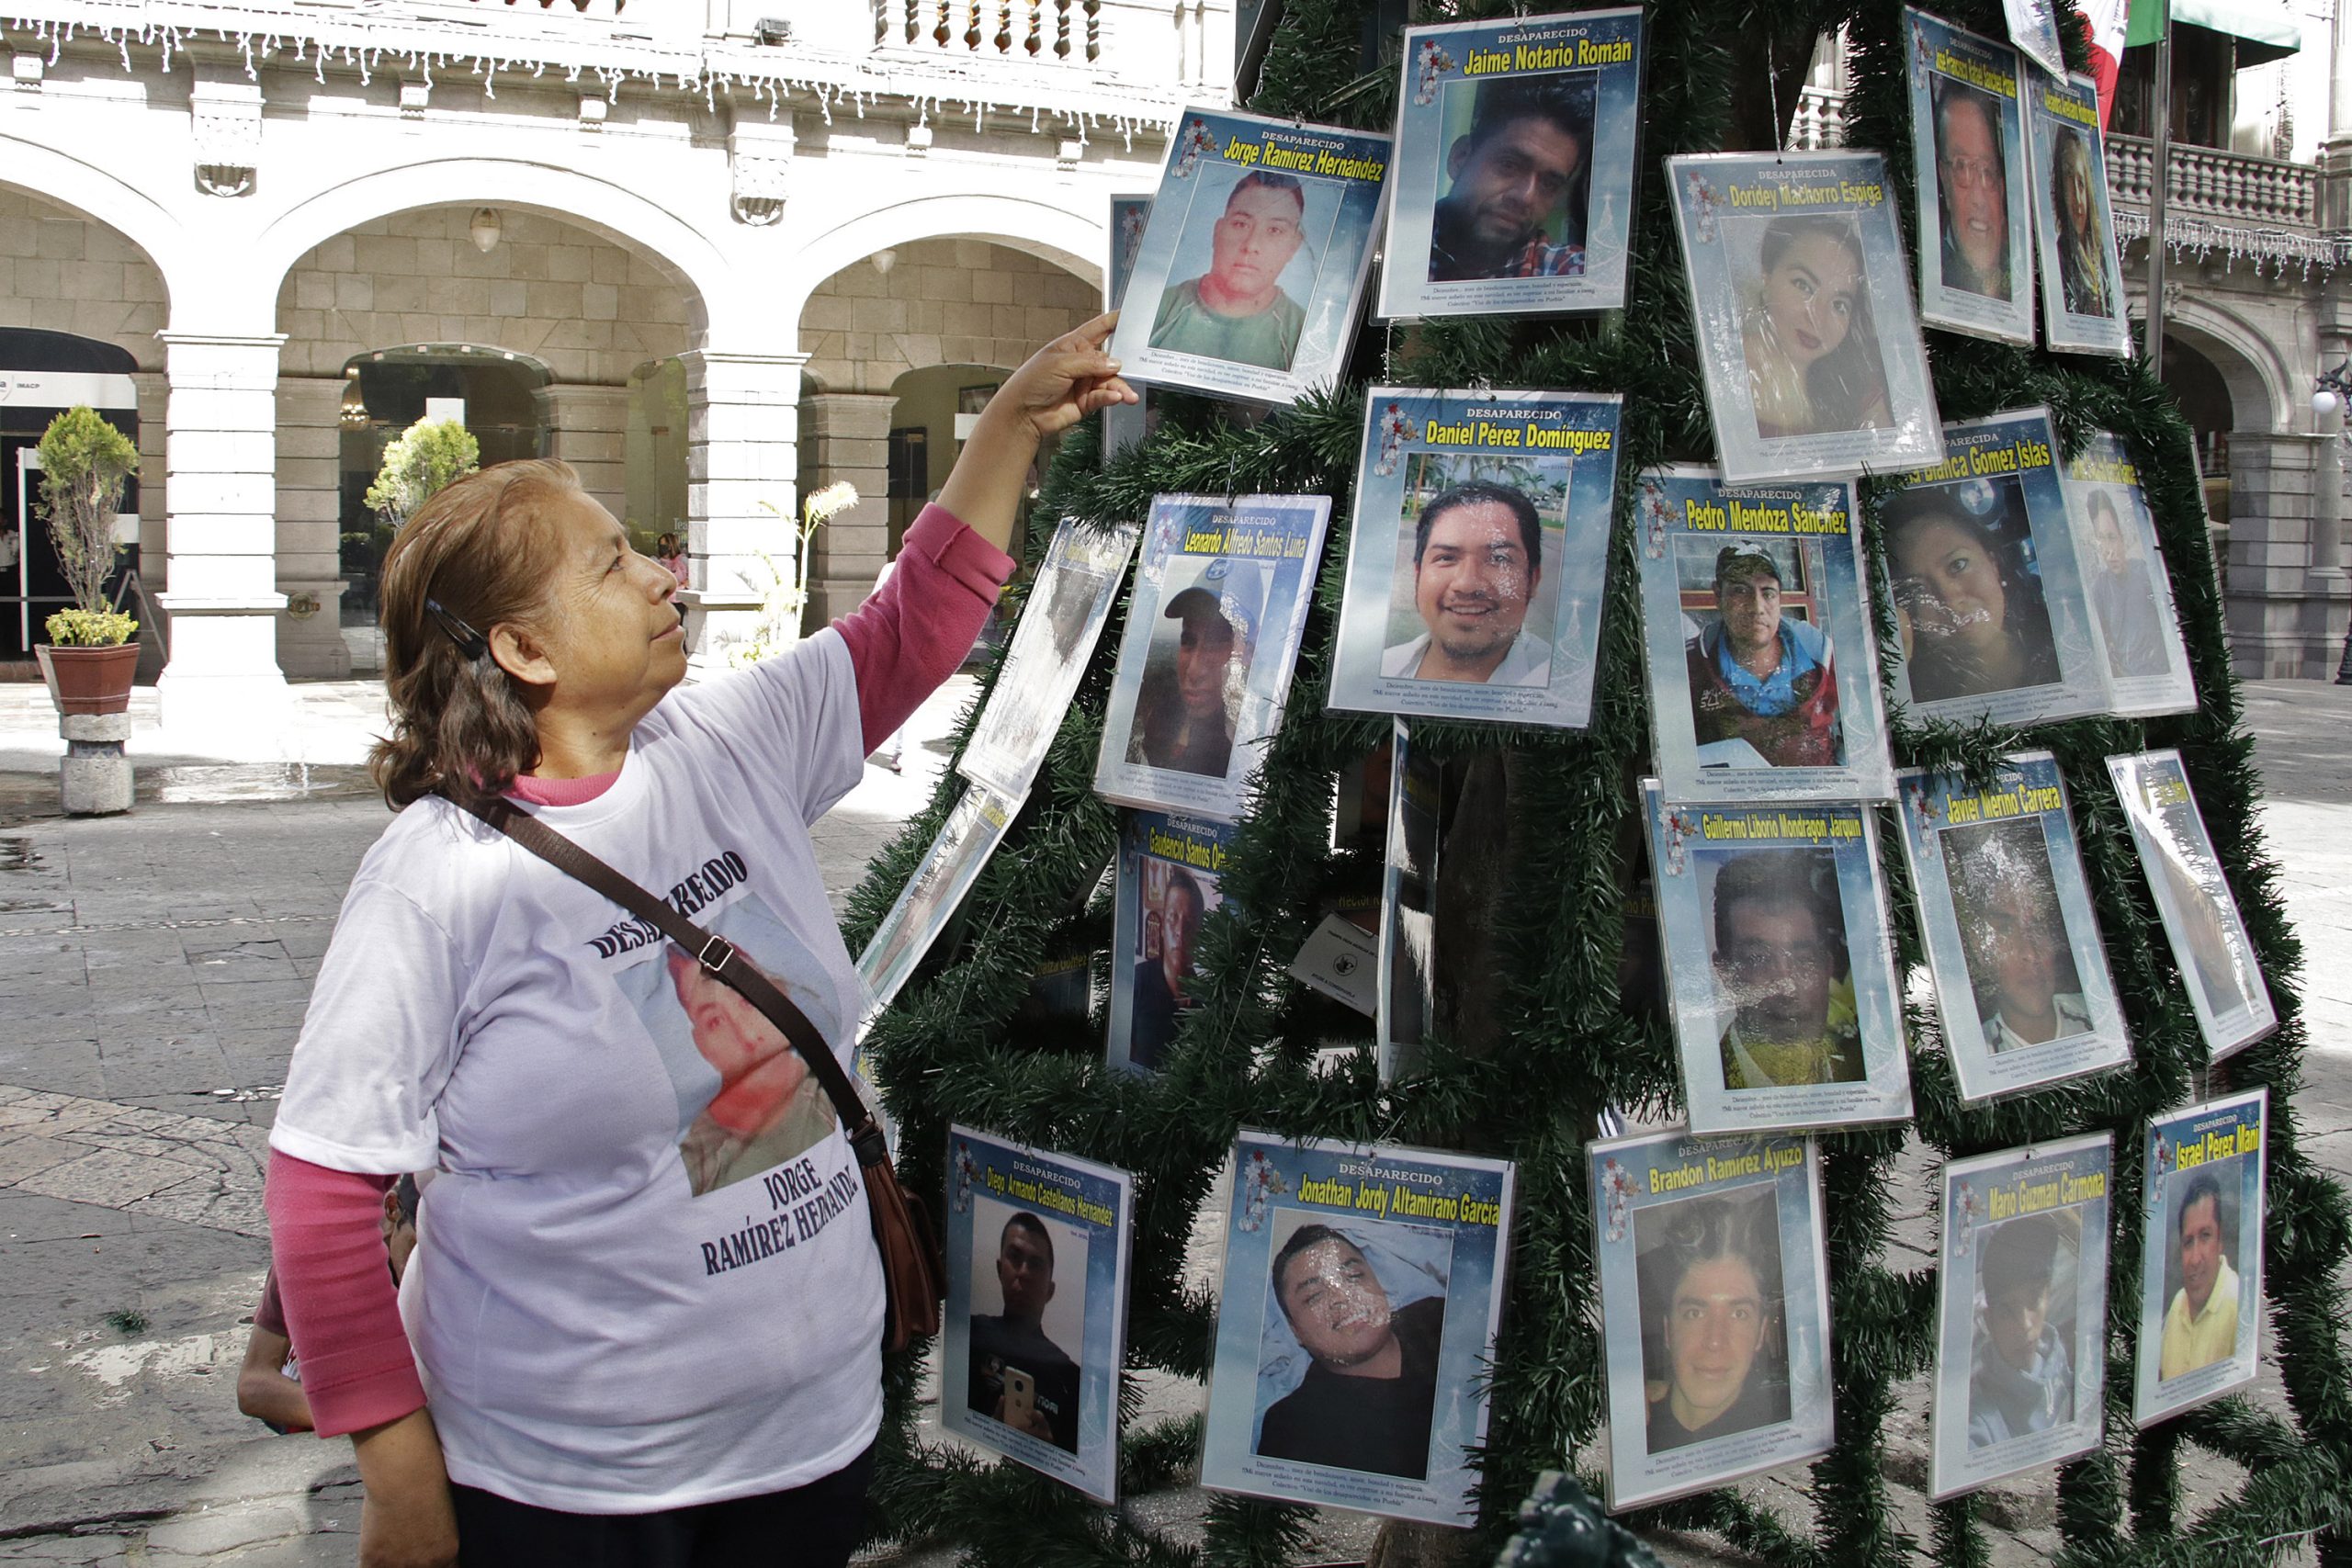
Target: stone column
[(846, 435), (2335, 147), (588, 428), (2272, 489), (2326, 592), (742, 425), (310, 510), (222, 685)]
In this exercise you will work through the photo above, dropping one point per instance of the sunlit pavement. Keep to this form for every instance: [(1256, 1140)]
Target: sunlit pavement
[(152, 972)]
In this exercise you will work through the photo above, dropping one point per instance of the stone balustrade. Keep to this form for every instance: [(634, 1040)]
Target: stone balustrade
[(1820, 120), (2229, 186), (1133, 63), (1039, 30)]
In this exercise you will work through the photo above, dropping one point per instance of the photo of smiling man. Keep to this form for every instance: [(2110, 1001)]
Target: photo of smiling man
[(1478, 563)]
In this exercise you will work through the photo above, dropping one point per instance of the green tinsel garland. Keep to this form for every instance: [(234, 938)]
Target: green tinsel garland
[(950, 1049)]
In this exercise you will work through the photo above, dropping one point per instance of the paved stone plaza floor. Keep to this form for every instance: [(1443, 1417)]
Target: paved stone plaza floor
[(154, 969)]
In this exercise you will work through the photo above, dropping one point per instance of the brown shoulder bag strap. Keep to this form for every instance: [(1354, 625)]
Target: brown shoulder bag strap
[(714, 953)]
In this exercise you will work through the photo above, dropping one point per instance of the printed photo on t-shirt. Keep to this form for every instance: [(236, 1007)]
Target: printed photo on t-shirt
[(747, 1102)]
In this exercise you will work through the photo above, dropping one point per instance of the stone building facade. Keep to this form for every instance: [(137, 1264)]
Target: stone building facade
[(2257, 298), (711, 253)]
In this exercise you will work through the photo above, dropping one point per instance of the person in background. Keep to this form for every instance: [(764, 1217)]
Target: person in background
[(670, 553), (269, 1383)]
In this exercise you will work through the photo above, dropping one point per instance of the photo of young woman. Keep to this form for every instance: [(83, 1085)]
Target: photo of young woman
[(1813, 357), (1970, 610)]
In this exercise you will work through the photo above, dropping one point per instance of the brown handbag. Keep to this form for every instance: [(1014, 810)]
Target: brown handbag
[(911, 1265)]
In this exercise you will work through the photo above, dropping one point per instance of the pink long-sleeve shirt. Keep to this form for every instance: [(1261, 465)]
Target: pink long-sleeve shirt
[(357, 1368)]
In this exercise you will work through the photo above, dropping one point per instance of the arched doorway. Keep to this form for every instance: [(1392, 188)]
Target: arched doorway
[(2205, 402), (492, 392), (42, 374), (903, 345)]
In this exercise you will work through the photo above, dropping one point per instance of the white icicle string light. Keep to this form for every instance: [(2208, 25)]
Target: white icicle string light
[(881, 82)]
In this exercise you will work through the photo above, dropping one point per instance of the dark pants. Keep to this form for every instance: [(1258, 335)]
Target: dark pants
[(809, 1527)]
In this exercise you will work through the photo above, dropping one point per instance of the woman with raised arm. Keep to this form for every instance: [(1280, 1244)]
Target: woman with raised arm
[(646, 1308)]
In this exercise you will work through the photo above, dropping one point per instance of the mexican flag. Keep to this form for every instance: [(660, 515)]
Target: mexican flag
[(2112, 25)]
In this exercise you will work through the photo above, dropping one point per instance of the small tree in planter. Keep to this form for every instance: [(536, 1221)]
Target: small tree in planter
[(425, 456), (89, 659), (785, 598)]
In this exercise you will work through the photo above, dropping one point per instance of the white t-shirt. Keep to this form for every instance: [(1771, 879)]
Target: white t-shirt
[(633, 1290)]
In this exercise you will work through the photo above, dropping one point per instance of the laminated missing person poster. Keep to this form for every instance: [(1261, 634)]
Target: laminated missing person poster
[(1756, 630), (2021, 1312), (1356, 1325), (1409, 908), (2082, 275), (1124, 424), (2201, 1272), (1802, 305), (2021, 979), (1779, 963), (1986, 594), (1068, 601), (1714, 1308), (1170, 877), (1205, 666), (1034, 1334), (1975, 228), (2125, 581), (1479, 546), (1515, 193), (1254, 256), (2033, 28), (974, 828), (2200, 915)]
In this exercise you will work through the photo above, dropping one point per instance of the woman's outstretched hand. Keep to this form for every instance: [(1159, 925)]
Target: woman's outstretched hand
[(1064, 382), (1060, 384)]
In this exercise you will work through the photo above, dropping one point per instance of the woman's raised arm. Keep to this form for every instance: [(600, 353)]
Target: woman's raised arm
[(1061, 384)]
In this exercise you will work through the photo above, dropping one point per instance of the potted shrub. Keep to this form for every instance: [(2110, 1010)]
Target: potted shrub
[(89, 659), (423, 457)]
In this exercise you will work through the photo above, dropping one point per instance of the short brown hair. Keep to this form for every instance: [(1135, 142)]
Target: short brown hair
[(479, 549)]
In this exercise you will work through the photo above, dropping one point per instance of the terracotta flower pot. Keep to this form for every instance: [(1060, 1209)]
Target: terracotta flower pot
[(89, 679)]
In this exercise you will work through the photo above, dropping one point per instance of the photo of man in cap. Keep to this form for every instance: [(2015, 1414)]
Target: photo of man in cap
[(1185, 711), (1517, 184), (1238, 309), (1759, 676), (1477, 561)]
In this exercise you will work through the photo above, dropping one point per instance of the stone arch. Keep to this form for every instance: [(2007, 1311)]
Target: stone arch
[(72, 271), (947, 299), (1045, 230), (62, 180), (2261, 386), (589, 309), (612, 212)]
